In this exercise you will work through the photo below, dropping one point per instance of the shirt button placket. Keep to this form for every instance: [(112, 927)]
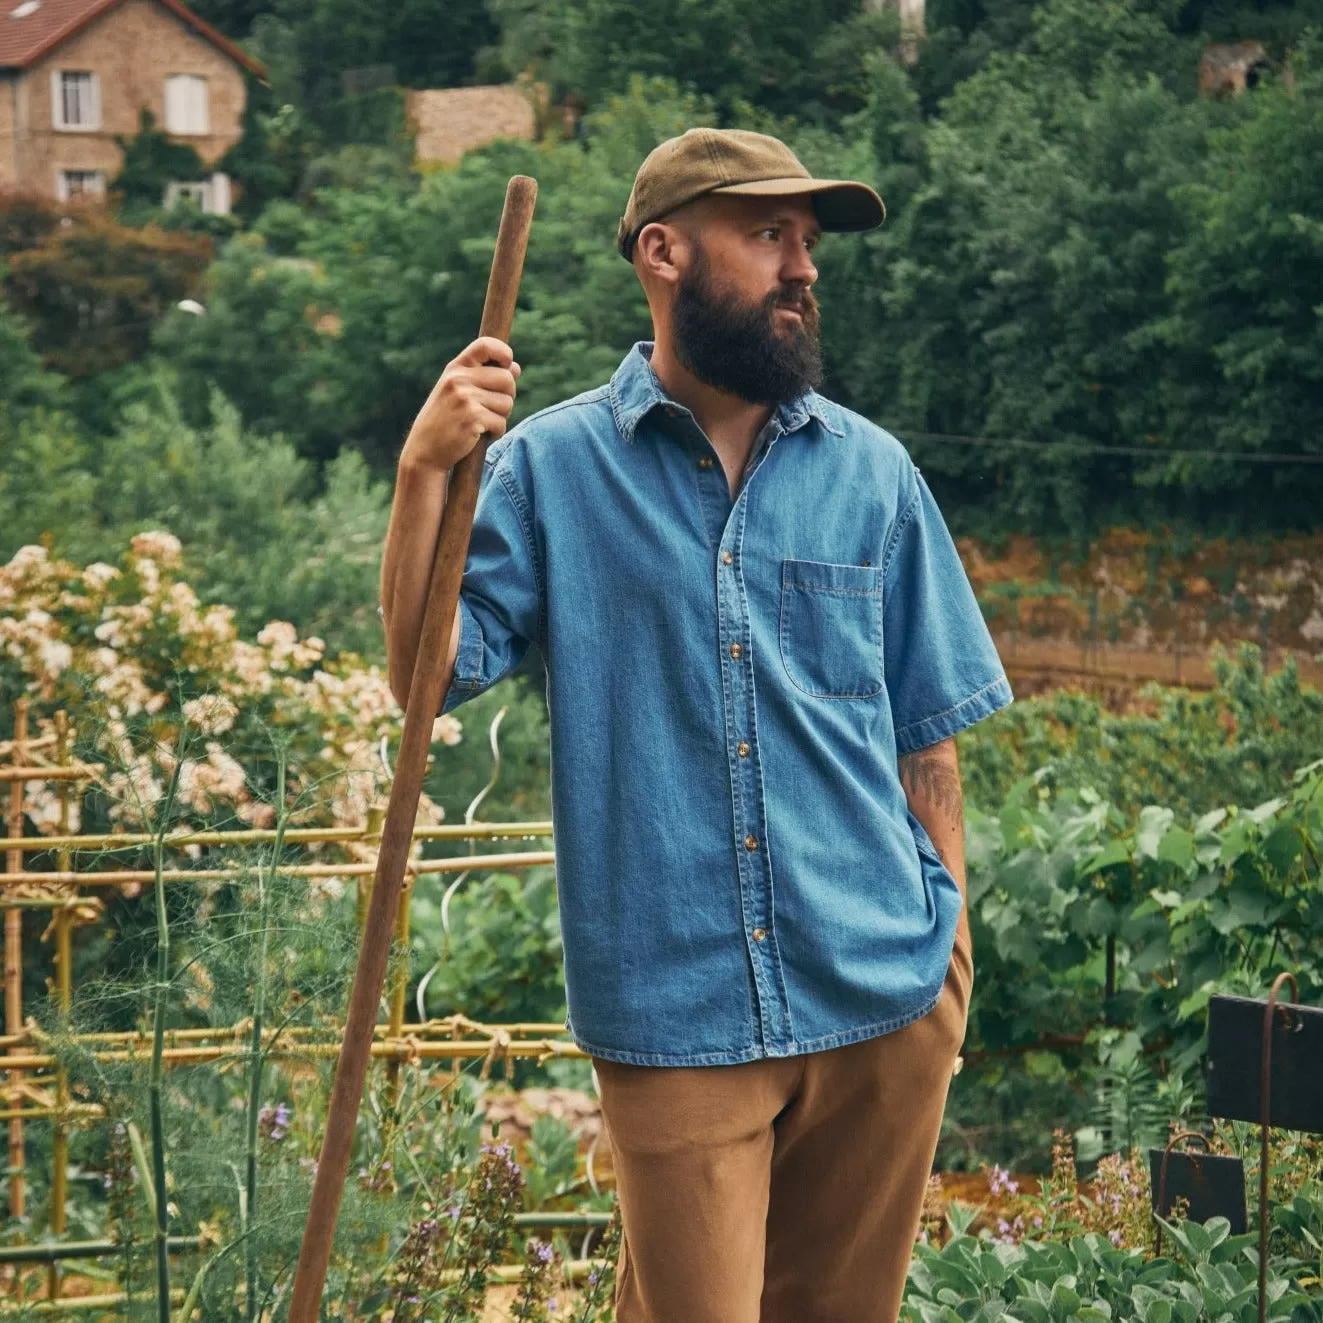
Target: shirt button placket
[(754, 864)]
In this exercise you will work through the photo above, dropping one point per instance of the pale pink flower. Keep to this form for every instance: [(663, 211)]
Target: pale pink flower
[(99, 575), (212, 714), (157, 545)]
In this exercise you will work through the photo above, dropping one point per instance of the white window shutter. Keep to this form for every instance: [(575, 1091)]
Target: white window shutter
[(220, 193), (94, 101), (186, 104), (173, 110), (201, 122)]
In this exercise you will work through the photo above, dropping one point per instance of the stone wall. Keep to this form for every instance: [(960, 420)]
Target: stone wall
[(451, 121), (8, 165)]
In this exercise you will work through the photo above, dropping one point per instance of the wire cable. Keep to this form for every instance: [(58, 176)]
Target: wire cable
[(1093, 448)]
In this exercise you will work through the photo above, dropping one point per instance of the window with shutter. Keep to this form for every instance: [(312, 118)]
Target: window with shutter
[(75, 100), (78, 183)]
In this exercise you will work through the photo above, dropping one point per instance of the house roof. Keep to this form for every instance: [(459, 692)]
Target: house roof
[(28, 31)]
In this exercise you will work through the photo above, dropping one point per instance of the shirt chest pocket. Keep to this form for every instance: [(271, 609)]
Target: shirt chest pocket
[(831, 628)]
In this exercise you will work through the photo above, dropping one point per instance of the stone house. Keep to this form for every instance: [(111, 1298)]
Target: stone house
[(1230, 69), (74, 73), (447, 122)]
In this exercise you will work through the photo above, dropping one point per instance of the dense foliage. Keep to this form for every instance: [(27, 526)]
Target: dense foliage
[(1213, 1275), (1120, 312), (1190, 751), (1099, 938)]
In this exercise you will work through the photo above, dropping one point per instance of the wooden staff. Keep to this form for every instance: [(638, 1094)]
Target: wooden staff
[(397, 833)]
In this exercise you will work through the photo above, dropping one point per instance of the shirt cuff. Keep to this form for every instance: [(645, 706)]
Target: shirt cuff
[(942, 725), (466, 680)]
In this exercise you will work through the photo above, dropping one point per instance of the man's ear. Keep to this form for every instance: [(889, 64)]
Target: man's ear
[(659, 252)]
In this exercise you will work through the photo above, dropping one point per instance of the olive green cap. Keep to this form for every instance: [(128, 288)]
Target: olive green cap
[(704, 161)]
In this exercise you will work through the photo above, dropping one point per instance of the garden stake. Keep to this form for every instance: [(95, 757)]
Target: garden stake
[(14, 959), (1265, 1113), (264, 890), (156, 1079), (63, 924), (411, 762)]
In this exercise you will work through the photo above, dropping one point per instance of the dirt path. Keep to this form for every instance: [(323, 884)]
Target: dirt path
[(501, 1299)]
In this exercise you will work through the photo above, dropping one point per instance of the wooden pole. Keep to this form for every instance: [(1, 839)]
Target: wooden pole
[(411, 763), (14, 959)]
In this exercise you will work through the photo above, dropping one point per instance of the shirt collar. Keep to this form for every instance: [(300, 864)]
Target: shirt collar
[(636, 390)]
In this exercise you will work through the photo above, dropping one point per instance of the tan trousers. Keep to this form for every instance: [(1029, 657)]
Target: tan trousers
[(785, 1190)]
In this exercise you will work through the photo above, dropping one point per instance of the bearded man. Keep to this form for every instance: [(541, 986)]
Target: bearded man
[(759, 643)]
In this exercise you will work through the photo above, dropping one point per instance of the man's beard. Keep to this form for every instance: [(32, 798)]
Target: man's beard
[(737, 347)]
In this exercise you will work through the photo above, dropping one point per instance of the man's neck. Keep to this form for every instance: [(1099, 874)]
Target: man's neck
[(730, 423)]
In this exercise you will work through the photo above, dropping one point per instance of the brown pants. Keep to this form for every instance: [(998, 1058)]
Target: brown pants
[(785, 1190)]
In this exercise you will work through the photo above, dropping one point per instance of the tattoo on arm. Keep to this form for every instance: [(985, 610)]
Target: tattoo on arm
[(929, 776)]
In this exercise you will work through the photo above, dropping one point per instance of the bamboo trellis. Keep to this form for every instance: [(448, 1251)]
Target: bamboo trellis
[(37, 1086)]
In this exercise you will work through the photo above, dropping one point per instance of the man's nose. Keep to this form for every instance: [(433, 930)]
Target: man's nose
[(798, 267)]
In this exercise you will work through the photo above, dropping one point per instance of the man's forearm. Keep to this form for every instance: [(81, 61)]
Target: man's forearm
[(931, 778), (406, 571)]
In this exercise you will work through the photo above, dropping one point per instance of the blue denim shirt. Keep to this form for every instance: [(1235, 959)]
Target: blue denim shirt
[(729, 685)]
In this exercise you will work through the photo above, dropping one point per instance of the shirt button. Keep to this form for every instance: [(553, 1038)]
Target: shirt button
[(726, 558), (751, 842), (742, 748), (760, 934), (705, 462), (736, 651)]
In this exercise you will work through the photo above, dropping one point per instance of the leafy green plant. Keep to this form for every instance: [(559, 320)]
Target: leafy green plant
[(1212, 1275), (1191, 753), (551, 1161), (1064, 888)]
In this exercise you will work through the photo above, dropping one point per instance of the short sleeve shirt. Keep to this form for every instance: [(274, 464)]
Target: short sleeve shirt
[(730, 682)]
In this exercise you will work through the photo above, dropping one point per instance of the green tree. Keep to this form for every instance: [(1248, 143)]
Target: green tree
[(779, 56), (24, 384), (262, 531), (426, 43), (255, 162), (92, 290), (1242, 347)]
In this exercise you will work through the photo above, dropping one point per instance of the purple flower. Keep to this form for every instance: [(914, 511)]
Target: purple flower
[(544, 1252), (273, 1122), (1115, 1238)]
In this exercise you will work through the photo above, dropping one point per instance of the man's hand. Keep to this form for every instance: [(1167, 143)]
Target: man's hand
[(474, 394)]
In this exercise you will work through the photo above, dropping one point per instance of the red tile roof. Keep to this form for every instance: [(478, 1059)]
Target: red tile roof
[(25, 40)]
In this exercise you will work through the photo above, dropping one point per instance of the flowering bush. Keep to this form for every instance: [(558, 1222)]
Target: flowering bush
[(1115, 1205), (132, 653)]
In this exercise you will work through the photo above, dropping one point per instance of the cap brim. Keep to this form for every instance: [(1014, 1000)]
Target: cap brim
[(841, 204)]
